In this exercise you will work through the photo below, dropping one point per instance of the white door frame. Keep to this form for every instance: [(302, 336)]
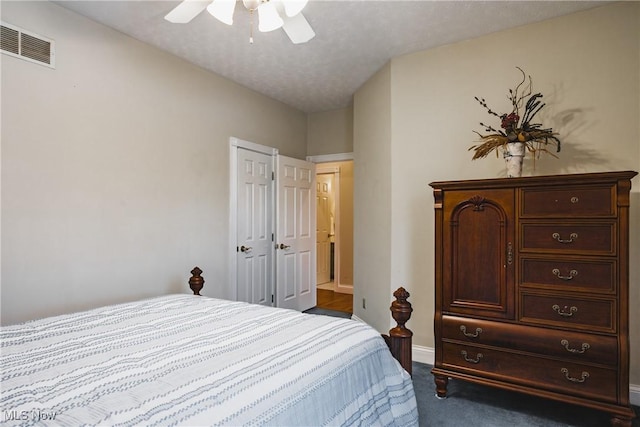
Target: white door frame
[(330, 158), (234, 145), (336, 219)]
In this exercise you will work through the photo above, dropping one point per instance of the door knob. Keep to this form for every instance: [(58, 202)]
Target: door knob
[(245, 248), (283, 246)]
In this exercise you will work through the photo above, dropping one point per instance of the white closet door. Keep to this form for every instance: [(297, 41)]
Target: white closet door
[(254, 227), (296, 234)]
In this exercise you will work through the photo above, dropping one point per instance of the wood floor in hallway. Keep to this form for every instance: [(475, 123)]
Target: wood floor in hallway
[(331, 300)]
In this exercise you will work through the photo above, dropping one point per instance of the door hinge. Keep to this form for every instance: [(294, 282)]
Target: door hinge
[(272, 237), (271, 299), (273, 176)]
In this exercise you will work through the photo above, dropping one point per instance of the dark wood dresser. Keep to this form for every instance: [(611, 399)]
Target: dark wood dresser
[(532, 285)]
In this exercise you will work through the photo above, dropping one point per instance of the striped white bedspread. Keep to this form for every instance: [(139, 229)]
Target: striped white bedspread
[(189, 360)]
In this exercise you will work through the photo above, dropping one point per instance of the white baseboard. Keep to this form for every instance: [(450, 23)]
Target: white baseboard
[(354, 317), (343, 288), (329, 286), (422, 354), (427, 355), (634, 394)]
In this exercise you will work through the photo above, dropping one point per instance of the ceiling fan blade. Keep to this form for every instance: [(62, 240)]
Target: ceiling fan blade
[(298, 29), (294, 7), (186, 11)]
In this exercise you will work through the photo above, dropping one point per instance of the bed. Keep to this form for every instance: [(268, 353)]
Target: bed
[(193, 360)]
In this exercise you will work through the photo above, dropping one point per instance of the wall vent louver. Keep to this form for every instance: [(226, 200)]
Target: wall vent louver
[(19, 43)]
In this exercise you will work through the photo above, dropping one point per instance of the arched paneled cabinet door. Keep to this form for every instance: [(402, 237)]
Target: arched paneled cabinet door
[(479, 237)]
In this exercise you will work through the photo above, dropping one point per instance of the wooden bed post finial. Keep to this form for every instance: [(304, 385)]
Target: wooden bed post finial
[(399, 339), (196, 282), (401, 310)]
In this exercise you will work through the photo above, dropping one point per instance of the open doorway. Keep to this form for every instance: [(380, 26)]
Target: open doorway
[(334, 235)]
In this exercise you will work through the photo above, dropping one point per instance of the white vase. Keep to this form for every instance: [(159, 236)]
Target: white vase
[(513, 157)]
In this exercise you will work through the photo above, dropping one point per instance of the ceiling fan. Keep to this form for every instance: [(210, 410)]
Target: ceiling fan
[(272, 14)]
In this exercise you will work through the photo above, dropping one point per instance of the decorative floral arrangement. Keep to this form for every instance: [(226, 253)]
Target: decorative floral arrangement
[(517, 128)]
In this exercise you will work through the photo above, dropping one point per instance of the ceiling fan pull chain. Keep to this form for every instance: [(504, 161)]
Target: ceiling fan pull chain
[(251, 29)]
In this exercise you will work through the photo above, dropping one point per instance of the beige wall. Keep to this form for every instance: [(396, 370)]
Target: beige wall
[(586, 65), (115, 167), (330, 132), (372, 200)]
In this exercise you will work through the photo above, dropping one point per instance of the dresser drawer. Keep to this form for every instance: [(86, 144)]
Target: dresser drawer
[(570, 202), (563, 273), (573, 346), (596, 238), (556, 375), (568, 311)]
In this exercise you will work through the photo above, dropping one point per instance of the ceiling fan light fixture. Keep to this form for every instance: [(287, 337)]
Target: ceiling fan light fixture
[(268, 18), (222, 10), (272, 14), (251, 5), (294, 7)]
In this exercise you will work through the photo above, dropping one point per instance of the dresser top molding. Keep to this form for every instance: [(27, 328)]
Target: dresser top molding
[(528, 181)]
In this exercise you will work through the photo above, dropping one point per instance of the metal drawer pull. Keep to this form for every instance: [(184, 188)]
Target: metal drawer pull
[(572, 237), (585, 347), (574, 199), (468, 334), (476, 360), (572, 274), (582, 378), (564, 311)]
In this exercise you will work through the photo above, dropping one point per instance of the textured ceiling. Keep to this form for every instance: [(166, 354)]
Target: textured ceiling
[(353, 39)]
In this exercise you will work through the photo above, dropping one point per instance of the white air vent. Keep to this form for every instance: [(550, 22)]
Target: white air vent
[(26, 45)]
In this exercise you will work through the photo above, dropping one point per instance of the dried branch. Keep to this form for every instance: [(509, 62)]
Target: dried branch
[(517, 129)]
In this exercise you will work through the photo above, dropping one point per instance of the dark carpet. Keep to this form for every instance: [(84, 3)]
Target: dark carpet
[(474, 405), (327, 312)]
